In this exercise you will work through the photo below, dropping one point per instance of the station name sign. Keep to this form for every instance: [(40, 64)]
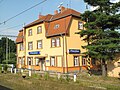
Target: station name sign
[(34, 53), (74, 51)]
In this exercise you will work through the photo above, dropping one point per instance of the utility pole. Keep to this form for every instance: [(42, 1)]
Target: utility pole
[(6, 50)]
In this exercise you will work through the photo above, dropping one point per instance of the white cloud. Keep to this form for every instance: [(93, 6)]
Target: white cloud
[(114, 1)]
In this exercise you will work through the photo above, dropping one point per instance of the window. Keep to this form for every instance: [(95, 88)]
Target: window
[(22, 61), (19, 60), (76, 60), (30, 32), (39, 29), (59, 61), (52, 63), (80, 25), (37, 61), (39, 44), (55, 42), (30, 60), (21, 46), (30, 45), (84, 61), (56, 26)]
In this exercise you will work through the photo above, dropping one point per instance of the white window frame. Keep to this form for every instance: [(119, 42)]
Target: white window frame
[(30, 32), (56, 26), (39, 44), (30, 45), (57, 42), (39, 29), (76, 60), (53, 42), (52, 61), (21, 47), (80, 25)]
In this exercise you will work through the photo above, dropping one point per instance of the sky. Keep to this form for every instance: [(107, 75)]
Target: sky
[(10, 8)]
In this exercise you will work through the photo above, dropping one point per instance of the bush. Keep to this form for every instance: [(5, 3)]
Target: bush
[(5, 67)]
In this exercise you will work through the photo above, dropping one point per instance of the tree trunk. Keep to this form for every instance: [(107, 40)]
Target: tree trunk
[(104, 68)]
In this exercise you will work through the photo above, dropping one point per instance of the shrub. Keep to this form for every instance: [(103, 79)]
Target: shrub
[(46, 75)]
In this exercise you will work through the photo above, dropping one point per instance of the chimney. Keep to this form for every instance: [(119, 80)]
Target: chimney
[(56, 12), (40, 15), (62, 9)]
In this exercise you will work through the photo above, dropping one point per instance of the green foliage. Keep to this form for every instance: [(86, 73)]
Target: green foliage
[(11, 50), (5, 67), (103, 41), (67, 78), (46, 76)]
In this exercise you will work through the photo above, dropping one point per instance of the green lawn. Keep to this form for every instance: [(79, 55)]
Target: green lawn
[(36, 82)]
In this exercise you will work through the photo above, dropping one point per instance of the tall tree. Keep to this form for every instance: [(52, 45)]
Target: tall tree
[(100, 34), (11, 50)]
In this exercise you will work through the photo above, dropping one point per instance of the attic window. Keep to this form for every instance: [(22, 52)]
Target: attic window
[(56, 26)]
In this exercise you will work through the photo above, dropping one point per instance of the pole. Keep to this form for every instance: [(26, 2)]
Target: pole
[(6, 50)]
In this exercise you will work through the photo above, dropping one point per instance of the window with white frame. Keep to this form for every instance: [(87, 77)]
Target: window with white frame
[(76, 60), (30, 32), (39, 44), (22, 61), (80, 25), (39, 29), (37, 61), (30, 45), (53, 42), (52, 61), (59, 61), (19, 60), (57, 42), (21, 47), (84, 62)]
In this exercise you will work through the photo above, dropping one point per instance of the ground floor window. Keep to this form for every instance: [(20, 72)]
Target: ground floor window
[(19, 60), (59, 61), (84, 61), (37, 61), (30, 60), (76, 60), (52, 61)]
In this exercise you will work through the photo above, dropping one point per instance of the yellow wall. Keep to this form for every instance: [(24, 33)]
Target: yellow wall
[(74, 42)]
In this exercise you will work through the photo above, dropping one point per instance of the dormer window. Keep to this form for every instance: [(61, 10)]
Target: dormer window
[(56, 26)]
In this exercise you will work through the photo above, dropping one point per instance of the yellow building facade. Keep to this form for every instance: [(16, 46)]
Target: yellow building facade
[(50, 43)]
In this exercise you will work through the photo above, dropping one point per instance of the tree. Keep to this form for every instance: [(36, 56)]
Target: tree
[(11, 51), (100, 34)]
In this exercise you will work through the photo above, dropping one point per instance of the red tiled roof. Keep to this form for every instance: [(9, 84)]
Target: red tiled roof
[(20, 37), (63, 26), (40, 20)]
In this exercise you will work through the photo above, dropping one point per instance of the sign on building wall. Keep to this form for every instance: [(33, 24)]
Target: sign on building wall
[(74, 51), (34, 53)]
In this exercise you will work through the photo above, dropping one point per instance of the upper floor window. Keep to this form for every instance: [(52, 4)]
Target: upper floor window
[(80, 25), (56, 26), (21, 47), (76, 60), (30, 45), (30, 32), (39, 29), (39, 44), (55, 42)]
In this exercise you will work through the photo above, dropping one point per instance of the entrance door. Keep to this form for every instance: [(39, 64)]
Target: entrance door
[(42, 61), (43, 65)]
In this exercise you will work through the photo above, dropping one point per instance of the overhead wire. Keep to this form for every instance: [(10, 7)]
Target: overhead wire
[(22, 12)]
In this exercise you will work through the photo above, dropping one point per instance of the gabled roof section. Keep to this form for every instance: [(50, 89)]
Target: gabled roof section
[(20, 37), (59, 26), (40, 20), (62, 21), (65, 13)]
